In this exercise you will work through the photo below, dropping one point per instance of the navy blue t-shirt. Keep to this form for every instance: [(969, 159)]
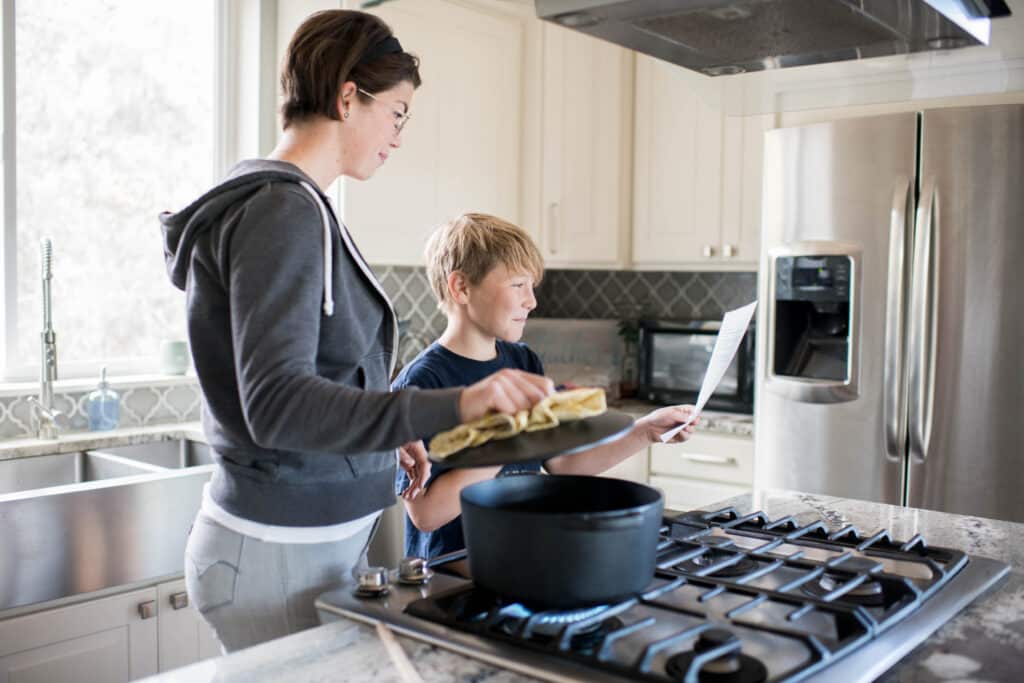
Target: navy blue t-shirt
[(439, 368)]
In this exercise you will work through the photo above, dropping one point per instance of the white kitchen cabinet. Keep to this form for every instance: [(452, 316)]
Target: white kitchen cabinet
[(633, 468), (586, 156), (108, 639), (116, 638), (707, 468), (184, 638), (461, 149), (742, 178), (707, 456), (697, 174), (689, 494)]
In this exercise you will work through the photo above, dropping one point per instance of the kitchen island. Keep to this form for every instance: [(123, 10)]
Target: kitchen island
[(985, 642)]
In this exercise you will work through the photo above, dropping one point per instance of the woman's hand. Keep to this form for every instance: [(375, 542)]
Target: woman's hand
[(412, 457), (506, 391), (657, 422)]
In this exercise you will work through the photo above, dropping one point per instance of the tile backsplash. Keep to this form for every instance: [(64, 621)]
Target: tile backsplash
[(602, 294), (624, 294), (613, 294), (607, 294), (156, 402)]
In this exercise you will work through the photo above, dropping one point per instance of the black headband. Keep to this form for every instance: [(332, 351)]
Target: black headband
[(385, 47)]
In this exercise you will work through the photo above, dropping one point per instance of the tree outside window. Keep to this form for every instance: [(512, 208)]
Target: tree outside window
[(114, 123)]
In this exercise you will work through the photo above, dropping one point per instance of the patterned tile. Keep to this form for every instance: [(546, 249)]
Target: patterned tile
[(599, 294), (606, 294), (145, 405)]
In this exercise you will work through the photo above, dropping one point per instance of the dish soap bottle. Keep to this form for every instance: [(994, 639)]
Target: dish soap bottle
[(104, 406)]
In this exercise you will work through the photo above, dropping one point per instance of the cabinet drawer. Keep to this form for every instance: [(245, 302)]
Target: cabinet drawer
[(688, 494), (632, 469), (714, 457)]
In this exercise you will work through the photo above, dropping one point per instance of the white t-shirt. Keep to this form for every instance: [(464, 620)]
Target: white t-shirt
[(273, 533)]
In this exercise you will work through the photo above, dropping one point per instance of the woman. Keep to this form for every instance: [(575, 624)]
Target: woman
[(294, 340)]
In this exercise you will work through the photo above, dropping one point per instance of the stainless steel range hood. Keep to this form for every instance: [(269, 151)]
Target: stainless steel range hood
[(722, 37)]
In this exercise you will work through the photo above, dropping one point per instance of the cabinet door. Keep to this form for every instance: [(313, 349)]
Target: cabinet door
[(460, 149), (715, 457), (633, 468), (184, 637), (678, 167), (743, 157), (586, 159), (684, 495), (101, 640)]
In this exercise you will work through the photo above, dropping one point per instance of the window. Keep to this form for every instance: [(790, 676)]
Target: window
[(114, 121)]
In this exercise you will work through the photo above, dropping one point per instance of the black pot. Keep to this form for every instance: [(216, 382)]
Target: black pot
[(559, 542)]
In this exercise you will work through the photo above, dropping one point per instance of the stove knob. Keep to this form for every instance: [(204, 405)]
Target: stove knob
[(412, 569), (372, 578)]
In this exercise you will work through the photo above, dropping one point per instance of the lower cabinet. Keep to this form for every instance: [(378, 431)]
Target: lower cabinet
[(184, 638), (117, 638), (705, 469), (632, 469)]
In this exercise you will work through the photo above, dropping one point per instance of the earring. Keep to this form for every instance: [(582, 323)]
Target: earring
[(344, 115)]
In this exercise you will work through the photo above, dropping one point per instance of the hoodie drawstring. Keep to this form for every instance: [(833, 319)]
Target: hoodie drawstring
[(328, 253)]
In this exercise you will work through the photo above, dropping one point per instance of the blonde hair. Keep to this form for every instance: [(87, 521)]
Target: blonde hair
[(475, 243)]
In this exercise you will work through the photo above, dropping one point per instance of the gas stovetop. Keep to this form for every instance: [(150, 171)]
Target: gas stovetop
[(734, 599)]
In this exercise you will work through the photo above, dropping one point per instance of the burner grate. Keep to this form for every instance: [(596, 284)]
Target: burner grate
[(842, 566), (825, 592)]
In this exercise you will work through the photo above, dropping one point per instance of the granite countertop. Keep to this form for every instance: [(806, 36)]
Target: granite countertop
[(80, 441), (984, 643)]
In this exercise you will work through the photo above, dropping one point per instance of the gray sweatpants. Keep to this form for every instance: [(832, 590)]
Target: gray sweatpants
[(251, 591)]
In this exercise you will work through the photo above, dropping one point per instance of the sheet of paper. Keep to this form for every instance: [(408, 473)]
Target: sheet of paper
[(734, 326)]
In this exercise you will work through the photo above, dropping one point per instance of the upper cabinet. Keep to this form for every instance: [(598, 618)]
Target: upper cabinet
[(607, 158), (697, 176), (461, 149), (586, 150)]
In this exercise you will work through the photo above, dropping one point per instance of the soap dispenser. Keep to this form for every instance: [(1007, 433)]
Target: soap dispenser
[(104, 406)]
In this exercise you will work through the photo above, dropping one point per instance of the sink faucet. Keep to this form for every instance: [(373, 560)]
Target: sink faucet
[(48, 420)]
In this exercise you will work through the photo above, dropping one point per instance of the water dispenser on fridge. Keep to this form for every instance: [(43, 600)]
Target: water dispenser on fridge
[(813, 345)]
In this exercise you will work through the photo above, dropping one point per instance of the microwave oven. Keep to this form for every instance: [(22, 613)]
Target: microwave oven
[(673, 357)]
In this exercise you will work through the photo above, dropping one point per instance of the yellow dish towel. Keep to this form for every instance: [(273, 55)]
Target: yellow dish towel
[(564, 406)]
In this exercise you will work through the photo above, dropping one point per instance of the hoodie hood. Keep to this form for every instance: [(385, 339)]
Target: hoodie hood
[(181, 229)]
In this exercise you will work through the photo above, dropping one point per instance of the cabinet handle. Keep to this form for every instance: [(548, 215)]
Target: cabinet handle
[(710, 459), (708, 251), (147, 610), (554, 229), (728, 251), (179, 600)]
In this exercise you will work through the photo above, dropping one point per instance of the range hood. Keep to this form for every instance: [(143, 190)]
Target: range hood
[(723, 37)]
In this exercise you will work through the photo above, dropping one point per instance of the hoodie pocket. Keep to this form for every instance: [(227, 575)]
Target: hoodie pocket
[(373, 372)]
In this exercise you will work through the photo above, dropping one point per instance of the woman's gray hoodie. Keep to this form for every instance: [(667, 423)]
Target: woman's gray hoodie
[(295, 399)]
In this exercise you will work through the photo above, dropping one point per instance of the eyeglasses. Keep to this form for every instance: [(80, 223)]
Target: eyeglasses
[(401, 117)]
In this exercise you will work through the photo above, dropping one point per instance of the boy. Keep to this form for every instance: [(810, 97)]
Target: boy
[(482, 270)]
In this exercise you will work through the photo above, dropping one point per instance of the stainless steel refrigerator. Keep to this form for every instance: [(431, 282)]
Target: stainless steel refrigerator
[(891, 357)]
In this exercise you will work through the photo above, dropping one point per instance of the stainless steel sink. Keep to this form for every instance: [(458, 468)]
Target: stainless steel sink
[(44, 471), (78, 522), (175, 454)]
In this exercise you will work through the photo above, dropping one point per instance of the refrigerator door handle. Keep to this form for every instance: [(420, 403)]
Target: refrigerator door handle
[(894, 408), (922, 337)]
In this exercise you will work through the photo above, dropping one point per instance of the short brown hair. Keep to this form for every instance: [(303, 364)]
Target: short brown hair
[(474, 244), (326, 51)]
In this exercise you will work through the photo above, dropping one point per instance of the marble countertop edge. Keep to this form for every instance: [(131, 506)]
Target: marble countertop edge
[(79, 441)]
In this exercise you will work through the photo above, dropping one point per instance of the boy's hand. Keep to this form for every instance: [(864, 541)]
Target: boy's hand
[(656, 423), (506, 391), (412, 457)]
